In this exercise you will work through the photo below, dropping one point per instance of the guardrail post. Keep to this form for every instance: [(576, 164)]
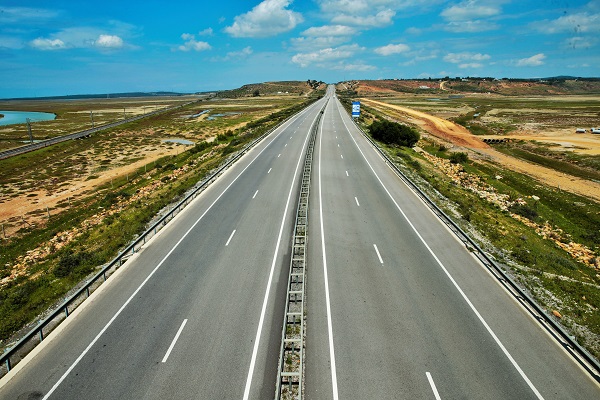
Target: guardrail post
[(41, 334), (7, 364), (66, 311)]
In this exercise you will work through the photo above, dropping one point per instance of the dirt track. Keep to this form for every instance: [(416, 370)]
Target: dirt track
[(460, 136)]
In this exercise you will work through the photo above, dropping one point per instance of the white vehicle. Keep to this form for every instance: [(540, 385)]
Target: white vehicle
[(580, 130), (595, 130)]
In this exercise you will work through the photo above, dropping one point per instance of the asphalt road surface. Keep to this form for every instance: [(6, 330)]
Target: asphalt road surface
[(397, 307), (197, 314)]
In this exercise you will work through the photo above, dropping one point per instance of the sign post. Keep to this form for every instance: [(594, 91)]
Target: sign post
[(355, 109)]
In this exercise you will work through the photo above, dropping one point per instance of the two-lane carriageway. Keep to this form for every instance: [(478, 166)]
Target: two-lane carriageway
[(400, 309), (197, 313)]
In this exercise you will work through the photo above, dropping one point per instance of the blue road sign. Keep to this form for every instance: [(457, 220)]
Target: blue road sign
[(355, 109)]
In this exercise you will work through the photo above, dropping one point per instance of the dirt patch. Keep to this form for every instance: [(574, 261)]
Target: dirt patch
[(460, 136)]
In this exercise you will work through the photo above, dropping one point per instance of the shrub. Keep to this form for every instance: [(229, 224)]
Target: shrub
[(525, 211), (393, 133), (459, 158)]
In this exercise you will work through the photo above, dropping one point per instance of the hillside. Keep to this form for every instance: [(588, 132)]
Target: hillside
[(273, 88), (506, 87)]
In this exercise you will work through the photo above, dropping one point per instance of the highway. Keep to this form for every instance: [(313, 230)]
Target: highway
[(198, 312), (397, 307)]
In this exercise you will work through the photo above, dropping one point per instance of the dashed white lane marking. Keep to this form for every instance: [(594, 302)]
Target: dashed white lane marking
[(432, 383), (255, 193), (174, 341), (347, 173), (450, 277), (341, 155), (269, 171), (378, 255), (230, 236), (355, 198), (279, 155)]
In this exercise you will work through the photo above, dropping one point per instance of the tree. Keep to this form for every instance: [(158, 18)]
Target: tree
[(393, 133), (256, 93)]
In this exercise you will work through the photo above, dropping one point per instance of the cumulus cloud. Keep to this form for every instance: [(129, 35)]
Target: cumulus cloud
[(353, 67), (268, 18), (109, 42), (392, 49), (330, 30), (206, 32), (325, 56), (10, 15), (532, 61), (470, 65), (469, 10), (382, 18), (192, 44), (578, 23), (465, 57), (47, 44), (471, 26)]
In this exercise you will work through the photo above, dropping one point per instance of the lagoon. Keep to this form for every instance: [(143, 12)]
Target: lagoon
[(20, 117)]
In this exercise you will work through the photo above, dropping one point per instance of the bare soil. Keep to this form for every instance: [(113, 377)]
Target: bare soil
[(460, 136)]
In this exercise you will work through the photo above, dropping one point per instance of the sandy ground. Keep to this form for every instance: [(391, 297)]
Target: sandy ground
[(11, 210), (460, 136)]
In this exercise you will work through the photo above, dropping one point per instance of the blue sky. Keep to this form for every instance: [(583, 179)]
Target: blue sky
[(74, 47)]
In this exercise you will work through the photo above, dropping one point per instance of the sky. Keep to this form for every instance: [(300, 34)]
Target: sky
[(67, 47)]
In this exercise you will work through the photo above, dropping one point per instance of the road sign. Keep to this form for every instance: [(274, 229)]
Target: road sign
[(355, 109)]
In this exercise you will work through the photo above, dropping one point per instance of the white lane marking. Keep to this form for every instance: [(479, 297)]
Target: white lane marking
[(230, 236), (255, 193), (355, 198), (378, 255), (341, 155), (338, 145), (336, 137), (475, 311), (174, 341), (347, 173), (269, 171), (326, 279), (120, 310), (285, 145), (279, 155), (432, 383), (270, 280), (291, 137)]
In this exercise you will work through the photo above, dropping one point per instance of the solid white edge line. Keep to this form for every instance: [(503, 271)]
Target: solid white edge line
[(475, 311), (355, 198), (270, 280), (174, 341), (326, 279), (378, 255), (255, 193), (433, 388), (230, 236), (114, 317)]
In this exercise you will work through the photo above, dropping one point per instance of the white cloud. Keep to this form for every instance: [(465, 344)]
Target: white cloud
[(206, 32), (471, 26), (193, 44), (577, 23), (9, 15), (244, 53), (268, 18), (470, 65), (330, 30), (464, 58), (532, 61), (353, 67), (325, 56), (469, 10), (312, 43), (7, 42), (382, 18), (419, 58), (579, 42), (48, 44), (392, 49), (109, 42)]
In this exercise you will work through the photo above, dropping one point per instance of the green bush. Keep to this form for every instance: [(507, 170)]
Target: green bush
[(393, 133), (459, 158)]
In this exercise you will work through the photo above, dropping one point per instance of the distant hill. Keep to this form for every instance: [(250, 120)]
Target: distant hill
[(508, 87), (298, 88), (103, 96)]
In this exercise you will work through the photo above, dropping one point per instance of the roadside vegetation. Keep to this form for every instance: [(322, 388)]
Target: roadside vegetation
[(43, 261)]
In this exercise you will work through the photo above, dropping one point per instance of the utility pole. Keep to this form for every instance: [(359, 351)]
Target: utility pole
[(92, 117), (124, 113), (29, 129)]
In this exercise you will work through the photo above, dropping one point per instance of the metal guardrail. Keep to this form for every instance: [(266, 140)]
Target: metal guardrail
[(291, 354), (48, 142), (568, 342), (19, 350)]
